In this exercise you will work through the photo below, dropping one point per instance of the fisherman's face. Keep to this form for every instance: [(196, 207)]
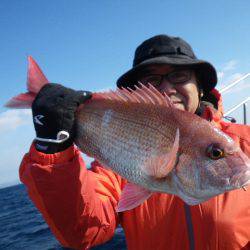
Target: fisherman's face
[(179, 84)]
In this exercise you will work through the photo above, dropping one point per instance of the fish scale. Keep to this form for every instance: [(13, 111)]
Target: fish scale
[(121, 151), (124, 129)]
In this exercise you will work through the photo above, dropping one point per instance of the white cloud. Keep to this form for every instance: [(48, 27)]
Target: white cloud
[(226, 68), (235, 76), (11, 119), (230, 65)]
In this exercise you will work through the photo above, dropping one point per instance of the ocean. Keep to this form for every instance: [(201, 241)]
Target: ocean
[(22, 227)]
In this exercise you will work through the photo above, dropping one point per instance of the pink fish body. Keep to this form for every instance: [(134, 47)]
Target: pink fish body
[(157, 148)]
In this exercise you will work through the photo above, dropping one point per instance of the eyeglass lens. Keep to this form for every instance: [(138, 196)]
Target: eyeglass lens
[(175, 77)]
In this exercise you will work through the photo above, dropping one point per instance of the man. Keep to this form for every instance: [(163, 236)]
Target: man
[(79, 205)]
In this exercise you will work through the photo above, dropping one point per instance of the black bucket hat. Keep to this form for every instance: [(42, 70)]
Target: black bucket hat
[(163, 49)]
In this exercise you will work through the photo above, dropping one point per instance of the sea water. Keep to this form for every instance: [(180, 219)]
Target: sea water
[(22, 227)]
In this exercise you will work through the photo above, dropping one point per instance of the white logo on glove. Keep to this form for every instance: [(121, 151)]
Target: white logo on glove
[(37, 119)]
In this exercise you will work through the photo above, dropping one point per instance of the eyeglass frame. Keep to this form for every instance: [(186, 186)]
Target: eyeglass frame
[(166, 76)]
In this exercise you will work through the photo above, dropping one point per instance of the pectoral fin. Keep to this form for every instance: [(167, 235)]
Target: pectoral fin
[(161, 166), (132, 196)]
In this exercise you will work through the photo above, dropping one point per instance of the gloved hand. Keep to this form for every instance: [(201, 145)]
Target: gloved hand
[(54, 114)]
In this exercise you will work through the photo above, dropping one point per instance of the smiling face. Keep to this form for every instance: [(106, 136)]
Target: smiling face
[(181, 85)]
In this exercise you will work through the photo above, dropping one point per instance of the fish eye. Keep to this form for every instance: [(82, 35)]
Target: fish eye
[(215, 152)]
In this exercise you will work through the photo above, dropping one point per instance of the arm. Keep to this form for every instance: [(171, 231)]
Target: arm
[(78, 204)]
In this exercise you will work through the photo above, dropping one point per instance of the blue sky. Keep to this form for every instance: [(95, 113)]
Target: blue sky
[(89, 44)]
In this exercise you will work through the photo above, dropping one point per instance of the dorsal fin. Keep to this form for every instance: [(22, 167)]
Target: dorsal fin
[(141, 94)]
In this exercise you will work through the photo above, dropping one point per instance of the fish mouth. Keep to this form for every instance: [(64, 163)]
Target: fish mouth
[(241, 179)]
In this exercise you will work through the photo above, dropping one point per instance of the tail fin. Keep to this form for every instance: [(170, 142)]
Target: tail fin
[(35, 81)]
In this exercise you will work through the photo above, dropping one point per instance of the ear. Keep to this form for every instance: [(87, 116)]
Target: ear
[(201, 93)]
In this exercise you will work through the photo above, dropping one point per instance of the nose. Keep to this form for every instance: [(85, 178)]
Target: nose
[(167, 87)]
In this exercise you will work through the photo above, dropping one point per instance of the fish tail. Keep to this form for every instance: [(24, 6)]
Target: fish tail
[(35, 81)]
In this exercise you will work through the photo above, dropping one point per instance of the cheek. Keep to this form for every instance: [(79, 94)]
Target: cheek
[(193, 102), (190, 98)]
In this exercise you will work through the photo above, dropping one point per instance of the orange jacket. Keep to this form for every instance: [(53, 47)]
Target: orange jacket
[(79, 205)]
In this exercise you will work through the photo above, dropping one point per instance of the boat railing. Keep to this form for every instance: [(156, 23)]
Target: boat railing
[(241, 104)]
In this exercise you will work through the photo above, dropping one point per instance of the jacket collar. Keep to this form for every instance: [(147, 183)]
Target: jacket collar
[(210, 113)]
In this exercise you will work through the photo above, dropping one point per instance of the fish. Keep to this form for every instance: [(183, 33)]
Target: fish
[(140, 135)]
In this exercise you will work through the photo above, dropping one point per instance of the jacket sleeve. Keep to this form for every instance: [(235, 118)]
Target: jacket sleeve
[(77, 204)]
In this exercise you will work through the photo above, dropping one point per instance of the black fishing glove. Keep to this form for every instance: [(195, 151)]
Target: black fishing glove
[(54, 114)]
